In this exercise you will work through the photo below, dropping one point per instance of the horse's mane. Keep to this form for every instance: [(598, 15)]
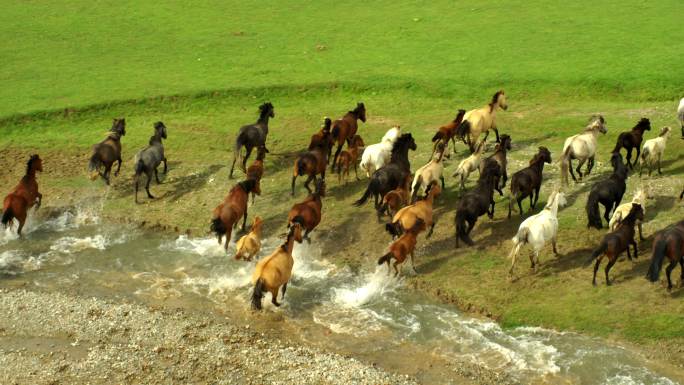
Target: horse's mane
[(592, 119), (29, 164), (459, 115), (117, 123), (664, 131), (264, 108), (632, 213), (495, 98), (643, 123), (327, 122), (247, 185), (300, 221), (538, 156)]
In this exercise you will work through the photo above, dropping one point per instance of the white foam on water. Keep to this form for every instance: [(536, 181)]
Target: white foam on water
[(206, 247), (10, 262), (636, 376), (372, 287), (76, 244)]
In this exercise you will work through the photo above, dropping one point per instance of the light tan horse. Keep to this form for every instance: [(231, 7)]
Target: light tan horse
[(275, 270), (250, 244), (481, 120)]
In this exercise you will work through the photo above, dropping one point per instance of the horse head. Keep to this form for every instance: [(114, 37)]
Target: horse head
[(357, 141), (597, 123), (34, 163), (459, 116), (251, 185), (257, 224), (160, 129), (505, 142), (327, 123), (544, 154), (434, 189), (296, 232), (267, 109), (119, 126), (261, 152), (360, 111), (665, 131), (499, 99), (643, 125), (636, 212)]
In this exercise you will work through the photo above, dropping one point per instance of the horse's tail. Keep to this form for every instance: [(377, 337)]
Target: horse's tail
[(95, 162), (300, 168), (335, 131), (366, 194), (417, 183), (645, 154), (339, 166), (438, 136), (657, 261), (600, 250), (461, 228), (7, 216), (593, 215), (565, 165), (217, 227), (394, 229), (463, 129), (385, 258), (258, 294), (239, 142), (519, 241)]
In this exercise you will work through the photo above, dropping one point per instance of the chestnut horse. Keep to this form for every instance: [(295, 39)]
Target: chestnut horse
[(24, 196), (108, 151), (256, 169), (403, 247), (344, 129), (308, 212), (668, 243), (322, 136), (349, 158), (311, 163), (227, 215), (447, 132), (480, 120), (275, 270)]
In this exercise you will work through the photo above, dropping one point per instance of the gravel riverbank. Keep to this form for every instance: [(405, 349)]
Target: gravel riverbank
[(54, 338)]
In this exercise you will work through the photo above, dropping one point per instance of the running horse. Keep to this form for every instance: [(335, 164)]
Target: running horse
[(24, 196), (108, 151), (344, 129), (480, 120)]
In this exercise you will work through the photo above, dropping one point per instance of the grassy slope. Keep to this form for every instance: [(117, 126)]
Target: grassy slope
[(556, 71)]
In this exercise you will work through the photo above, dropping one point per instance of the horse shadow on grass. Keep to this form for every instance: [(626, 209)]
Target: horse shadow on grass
[(192, 182)]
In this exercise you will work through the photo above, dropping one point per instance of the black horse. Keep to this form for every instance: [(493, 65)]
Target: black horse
[(148, 159), (499, 158), (527, 182), (632, 139), (607, 192), (477, 202), (391, 175), (253, 135)]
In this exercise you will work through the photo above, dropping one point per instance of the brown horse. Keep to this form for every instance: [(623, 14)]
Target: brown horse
[(256, 169), (308, 212), (398, 198), (447, 132), (499, 158), (227, 214), (349, 157), (527, 182), (108, 151), (632, 139), (668, 243), (409, 215), (614, 243), (24, 196), (275, 270), (344, 129), (323, 137), (403, 247), (311, 163)]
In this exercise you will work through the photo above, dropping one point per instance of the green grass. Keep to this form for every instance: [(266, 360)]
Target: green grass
[(73, 66)]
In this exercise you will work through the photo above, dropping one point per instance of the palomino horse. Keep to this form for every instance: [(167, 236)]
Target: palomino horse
[(275, 270), (311, 163), (108, 151), (249, 245), (480, 120), (227, 214), (582, 147), (252, 136), (668, 243), (344, 129), (614, 243), (24, 195)]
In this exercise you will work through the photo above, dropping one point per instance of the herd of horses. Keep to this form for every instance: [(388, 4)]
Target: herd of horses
[(408, 197)]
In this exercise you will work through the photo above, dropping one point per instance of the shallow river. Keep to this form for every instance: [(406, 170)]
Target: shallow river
[(367, 315)]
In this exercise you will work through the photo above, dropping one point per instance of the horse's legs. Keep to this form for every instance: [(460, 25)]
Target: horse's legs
[(590, 166), (553, 243), (579, 166), (496, 131), (413, 267), (39, 200), (108, 170), (21, 217), (668, 271), (306, 236), (641, 237), (274, 297), (293, 183), (118, 168), (246, 158), (432, 228), (396, 268), (611, 262), (607, 212), (308, 180), (536, 195), (634, 244), (147, 185), (629, 255), (165, 166), (638, 153), (284, 290), (659, 171), (629, 158), (337, 153), (244, 220), (232, 167), (520, 205), (570, 169), (510, 205), (441, 177), (596, 266), (536, 260)]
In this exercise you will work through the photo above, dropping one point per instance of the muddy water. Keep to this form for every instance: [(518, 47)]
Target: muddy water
[(367, 315)]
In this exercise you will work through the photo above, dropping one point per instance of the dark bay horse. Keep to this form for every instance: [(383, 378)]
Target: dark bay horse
[(252, 135), (391, 175), (308, 212), (607, 192), (312, 163), (476, 202), (527, 182), (108, 151), (632, 139), (148, 159), (499, 158), (344, 129), (234, 205), (24, 196), (668, 243), (323, 137), (614, 243)]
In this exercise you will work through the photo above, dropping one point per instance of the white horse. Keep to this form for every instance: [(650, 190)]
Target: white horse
[(432, 172), (582, 147), (653, 151), (470, 164), (537, 230), (623, 210), (378, 154), (680, 115)]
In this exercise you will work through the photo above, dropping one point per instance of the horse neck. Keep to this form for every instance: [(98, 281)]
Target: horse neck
[(538, 165), (263, 121), (400, 155), (30, 175), (289, 244), (554, 206), (116, 136)]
